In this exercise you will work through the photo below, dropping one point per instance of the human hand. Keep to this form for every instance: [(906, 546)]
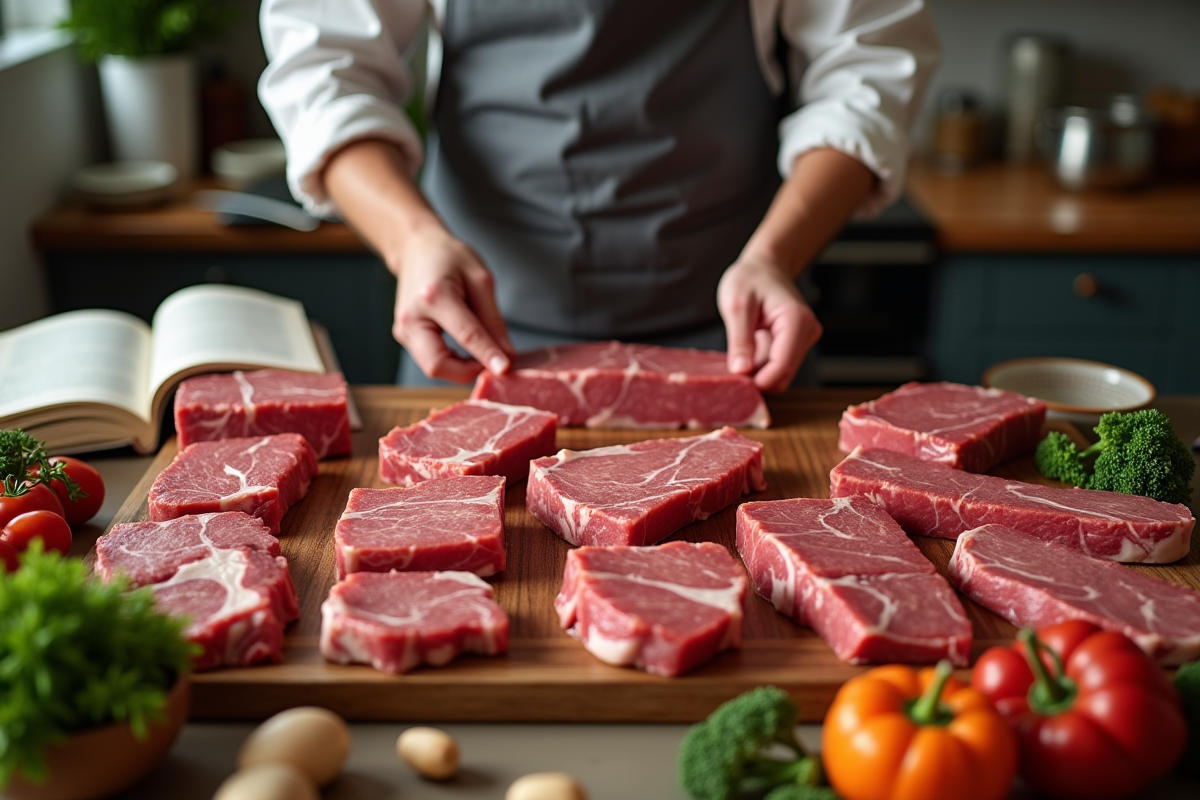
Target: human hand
[(444, 286), (769, 327)]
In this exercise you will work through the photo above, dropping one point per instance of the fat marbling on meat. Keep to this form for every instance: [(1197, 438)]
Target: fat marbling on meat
[(846, 569), (935, 500), (617, 385)]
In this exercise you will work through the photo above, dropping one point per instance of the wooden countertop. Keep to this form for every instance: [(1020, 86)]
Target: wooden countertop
[(994, 208), (1004, 209)]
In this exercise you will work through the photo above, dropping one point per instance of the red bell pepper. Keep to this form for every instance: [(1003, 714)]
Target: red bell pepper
[(1095, 718)]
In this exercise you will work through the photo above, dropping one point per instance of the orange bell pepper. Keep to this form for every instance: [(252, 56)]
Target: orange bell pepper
[(898, 734)]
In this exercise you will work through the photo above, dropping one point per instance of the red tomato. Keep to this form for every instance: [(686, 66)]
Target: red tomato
[(52, 529), (39, 498), (9, 557), (89, 481)]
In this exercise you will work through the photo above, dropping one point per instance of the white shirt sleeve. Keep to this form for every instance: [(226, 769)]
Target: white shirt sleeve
[(861, 67), (337, 75)]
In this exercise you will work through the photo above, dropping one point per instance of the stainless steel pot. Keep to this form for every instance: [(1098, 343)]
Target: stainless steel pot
[(1100, 148)]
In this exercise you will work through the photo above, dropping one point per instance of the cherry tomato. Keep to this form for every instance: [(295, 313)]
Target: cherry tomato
[(10, 559), (39, 498), (89, 480), (52, 529)]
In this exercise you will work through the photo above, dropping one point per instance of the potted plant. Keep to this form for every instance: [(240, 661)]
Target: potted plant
[(93, 681), (147, 74)]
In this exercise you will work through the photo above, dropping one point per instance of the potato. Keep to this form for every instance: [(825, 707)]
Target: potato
[(313, 740), (431, 752), (275, 781), (545, 786)]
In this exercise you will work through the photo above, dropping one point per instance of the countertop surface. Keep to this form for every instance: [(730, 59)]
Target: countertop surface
[(993, 208), (614, 762)]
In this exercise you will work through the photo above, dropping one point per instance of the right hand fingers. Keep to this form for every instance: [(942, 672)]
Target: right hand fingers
[(428, 349)]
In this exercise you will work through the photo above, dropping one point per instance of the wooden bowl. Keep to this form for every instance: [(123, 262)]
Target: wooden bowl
[(100, 762)]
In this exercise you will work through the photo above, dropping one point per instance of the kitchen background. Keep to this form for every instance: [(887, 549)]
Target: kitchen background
[(51, 124)]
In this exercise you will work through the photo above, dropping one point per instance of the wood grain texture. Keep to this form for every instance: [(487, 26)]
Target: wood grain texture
[(1003, 208), (546, 675)]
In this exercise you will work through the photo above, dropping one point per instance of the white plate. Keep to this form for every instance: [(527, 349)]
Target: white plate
[(1073, 388), (125, 183)]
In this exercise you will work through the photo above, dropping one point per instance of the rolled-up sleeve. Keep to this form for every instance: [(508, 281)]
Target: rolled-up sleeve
[(336, 74), (863, 66)]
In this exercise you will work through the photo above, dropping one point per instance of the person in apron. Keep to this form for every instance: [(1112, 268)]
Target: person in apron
[(599, 169)]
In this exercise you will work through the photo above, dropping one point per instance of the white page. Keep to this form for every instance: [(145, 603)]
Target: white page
[(80, 356), (215, 324)]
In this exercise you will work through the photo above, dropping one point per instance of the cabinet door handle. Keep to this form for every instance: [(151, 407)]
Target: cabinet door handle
[(1085, 285)]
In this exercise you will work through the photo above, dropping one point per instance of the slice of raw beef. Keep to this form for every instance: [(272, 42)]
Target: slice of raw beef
[(936, 500), (260, 403), (664, 609), (845, 568), (442, 524), (237, 602), (639, 494), (261, 476), (1031, 584), (967, 427), (151, 552), (395, 621), (615, 385), (473, 437)]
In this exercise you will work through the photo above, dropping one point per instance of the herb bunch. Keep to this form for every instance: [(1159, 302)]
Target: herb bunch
[(76, 654), (21, 456)]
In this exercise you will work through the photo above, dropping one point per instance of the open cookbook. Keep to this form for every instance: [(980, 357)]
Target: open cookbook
[(92, 379)]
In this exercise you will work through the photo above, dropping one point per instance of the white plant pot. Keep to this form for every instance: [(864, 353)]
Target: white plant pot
[(150, 105)]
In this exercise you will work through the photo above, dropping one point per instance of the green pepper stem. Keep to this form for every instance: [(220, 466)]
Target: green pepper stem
[(1049, 687), (926, 711)]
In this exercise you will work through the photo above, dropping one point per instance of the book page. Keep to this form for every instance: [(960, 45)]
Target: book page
[(91, 356), (229, 325)]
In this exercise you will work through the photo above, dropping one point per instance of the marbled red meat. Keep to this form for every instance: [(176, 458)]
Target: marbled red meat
[(616, 385)]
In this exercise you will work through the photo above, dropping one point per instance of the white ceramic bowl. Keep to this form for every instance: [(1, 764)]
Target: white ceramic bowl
[(125, 184), (238, 163), (1073, 388)]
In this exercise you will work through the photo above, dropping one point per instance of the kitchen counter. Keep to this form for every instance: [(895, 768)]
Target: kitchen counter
[(614, 762), (997, 208)]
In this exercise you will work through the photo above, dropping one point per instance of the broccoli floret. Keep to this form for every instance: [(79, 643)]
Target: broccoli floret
[(1187, 681), (802, 792), (1138, 453), (1057, 457), (729, 753)]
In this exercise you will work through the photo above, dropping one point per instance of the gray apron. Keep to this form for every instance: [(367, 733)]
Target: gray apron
[(608, 159)]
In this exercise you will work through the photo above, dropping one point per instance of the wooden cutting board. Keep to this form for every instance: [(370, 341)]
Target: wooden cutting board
[(547, 676)]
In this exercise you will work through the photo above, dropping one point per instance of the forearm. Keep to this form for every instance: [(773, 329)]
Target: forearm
[(811, 206), (369, 181)]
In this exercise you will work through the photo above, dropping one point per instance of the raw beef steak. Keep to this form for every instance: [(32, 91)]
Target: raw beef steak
[(151, 552), (664, 609), (639, 494), (474, 437), (237, 602), (241, 404), (443, 524), (936, 500), (1032, 583), (397, 620), (615, 385), (967, 427), (845, 568), (262, 477)]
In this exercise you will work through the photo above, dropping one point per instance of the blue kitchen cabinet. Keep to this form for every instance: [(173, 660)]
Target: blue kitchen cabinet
[(351, 294), (1135, 311)]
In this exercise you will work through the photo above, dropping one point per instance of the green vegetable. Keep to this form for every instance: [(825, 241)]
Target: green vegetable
[(19, 453), (1187, 681), (142, 28), (1138, 453), (749, 745), (75, 654)]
